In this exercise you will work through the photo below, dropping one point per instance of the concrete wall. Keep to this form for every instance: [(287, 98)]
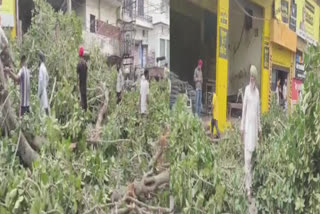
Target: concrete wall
[(105, 12), (246, 52), (160, 31), (109, 46), (80, 10), (161, 28)]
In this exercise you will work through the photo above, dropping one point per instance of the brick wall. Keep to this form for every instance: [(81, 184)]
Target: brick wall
[(108, 30)]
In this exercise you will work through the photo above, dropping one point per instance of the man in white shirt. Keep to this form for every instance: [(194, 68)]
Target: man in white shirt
[(120, 83), (23, 78), (43, 84), (144, 92), (250, 125)]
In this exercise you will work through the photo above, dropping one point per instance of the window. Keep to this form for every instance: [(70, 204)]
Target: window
[(141, 7), (145, 33), (162, 47), (92, 23)]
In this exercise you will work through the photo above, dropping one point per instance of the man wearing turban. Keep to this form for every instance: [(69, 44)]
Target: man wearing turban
[(82, 70), (250, 125)]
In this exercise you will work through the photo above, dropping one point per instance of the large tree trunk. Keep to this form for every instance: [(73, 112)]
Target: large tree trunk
[(25, 151)]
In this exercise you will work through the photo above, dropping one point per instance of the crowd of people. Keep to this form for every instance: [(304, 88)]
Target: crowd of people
[(23, 76)]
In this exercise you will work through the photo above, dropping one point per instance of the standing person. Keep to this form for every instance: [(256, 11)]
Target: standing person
[(144, 92), (250, 125), (120, 83), (285, 94), (214, 120), (198, 79), (23, 78), (43, 84), (82, 70), (278, 92)]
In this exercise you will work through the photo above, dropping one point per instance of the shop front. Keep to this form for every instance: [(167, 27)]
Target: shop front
[(284, 44)]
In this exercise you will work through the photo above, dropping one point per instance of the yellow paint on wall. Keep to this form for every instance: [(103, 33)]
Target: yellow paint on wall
[(14, 29), (222, 61), (281, 56), (8, 7), (303, 16), (265, 71)]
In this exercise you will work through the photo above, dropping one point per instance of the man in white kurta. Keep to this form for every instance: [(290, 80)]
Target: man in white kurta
[(144, 92), (120, 84), (43, 84), (250, 125)]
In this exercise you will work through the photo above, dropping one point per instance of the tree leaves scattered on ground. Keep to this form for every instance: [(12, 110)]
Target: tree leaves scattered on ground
[(286, 176)]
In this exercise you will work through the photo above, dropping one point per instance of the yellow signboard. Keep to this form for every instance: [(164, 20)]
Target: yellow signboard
[(7, 13), (7, 7), (281, 10), (308, 20), (222, 61)]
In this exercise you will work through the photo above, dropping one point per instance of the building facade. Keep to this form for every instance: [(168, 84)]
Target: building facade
[(230, 36), (100, 24), (159, 36)]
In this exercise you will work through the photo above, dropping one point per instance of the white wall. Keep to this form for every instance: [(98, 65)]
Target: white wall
[(108, 46), (161, 27), (108, 12), (249, 51), (154, 39)]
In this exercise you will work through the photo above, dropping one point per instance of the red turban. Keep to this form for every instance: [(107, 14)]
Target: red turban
[(81, 51)]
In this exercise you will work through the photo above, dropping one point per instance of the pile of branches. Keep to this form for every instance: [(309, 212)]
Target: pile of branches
[(286, 175), (205, 177)]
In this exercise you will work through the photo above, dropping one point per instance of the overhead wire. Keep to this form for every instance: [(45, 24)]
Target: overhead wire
[(248, 14)]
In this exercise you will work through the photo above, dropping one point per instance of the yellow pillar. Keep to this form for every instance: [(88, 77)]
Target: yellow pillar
[(266, 65), (222, 61), (14, 29)]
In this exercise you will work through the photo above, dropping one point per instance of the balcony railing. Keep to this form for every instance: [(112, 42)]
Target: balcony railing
[(133, 14), (146, 17), (107, 30)]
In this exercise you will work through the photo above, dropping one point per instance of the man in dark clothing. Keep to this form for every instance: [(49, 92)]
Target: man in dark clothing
[(82, 70)]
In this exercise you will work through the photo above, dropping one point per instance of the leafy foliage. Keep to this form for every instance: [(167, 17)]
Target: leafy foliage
[(287, 170), (205, 178)]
